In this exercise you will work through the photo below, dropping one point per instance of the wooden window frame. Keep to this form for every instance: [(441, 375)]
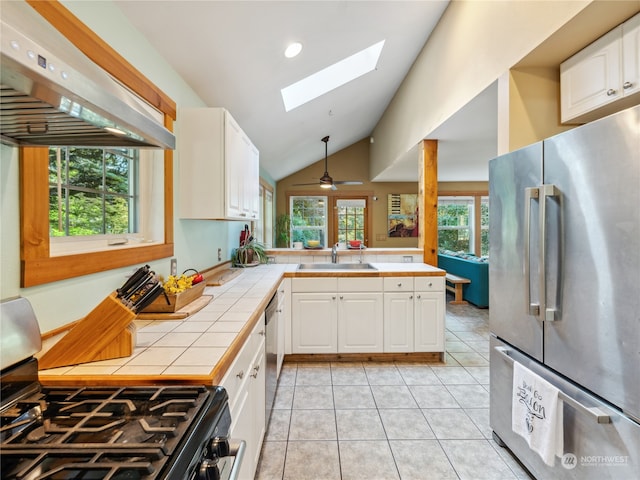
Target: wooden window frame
[(332, 196), (37, 266)]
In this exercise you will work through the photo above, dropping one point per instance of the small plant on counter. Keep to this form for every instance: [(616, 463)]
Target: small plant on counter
[(251, 253)]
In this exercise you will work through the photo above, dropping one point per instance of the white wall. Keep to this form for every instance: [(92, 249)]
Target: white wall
[(472, 46), (196, 242)]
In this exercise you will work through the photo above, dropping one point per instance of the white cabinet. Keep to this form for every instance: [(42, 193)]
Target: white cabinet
[(314, 326), (284, 320), (606, 71), (398, 314), (429, 314), (245, 384), (367, 315), (337, 315), (219, 166)]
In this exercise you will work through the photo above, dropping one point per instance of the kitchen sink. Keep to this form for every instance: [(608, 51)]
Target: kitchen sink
[(336, 266)]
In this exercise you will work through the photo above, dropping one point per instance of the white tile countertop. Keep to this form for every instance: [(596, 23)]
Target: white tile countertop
[(200, 348)]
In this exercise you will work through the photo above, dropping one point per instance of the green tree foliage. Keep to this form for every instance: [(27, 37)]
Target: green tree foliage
[(89, 191)]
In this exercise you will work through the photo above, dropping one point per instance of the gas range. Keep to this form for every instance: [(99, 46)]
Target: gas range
[(107, 432)]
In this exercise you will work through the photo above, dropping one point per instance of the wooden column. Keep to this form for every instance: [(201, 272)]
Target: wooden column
[(429, 214)]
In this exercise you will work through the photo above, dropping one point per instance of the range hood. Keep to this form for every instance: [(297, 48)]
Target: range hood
[(53, 95)]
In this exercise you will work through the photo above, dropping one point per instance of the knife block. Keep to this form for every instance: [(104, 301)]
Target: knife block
[(107, 332)]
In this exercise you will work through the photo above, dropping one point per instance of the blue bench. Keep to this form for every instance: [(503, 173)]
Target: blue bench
[(473, 269)]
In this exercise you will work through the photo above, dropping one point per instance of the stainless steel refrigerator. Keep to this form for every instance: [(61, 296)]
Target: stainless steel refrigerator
[(565, 292)]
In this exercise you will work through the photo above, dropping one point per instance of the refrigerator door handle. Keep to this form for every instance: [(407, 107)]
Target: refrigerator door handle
[(550, 190), (596, 413), (531, 193)]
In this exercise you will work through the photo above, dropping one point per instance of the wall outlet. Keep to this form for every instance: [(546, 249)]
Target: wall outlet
[(407, 259), (219, 254), (174, 266)]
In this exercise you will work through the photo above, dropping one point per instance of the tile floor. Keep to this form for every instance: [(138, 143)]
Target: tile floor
[(384, 421)]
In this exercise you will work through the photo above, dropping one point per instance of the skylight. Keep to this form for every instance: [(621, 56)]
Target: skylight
[(331, 77)]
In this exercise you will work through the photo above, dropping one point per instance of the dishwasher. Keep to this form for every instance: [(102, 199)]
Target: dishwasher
[(271, 348)]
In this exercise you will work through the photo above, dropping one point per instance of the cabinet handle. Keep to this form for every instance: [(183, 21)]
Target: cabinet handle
[(333, 298), (611, 92), (411, 297), (240, 375), (243, 214), (399, 285), (341, 297), (261, 333), (430, 284), (256, 369), (419, 296), (627, 85)]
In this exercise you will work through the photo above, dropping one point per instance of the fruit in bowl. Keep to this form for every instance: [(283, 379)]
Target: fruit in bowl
[(355, 243), (313, 243)]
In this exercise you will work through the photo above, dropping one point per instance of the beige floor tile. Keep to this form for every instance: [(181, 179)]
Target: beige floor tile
[(312, 425), (474, 459), (362, 424), (393, 396), (367, 460), (405, 424), (271, 466), (421, 460), (353, 396), (312, 461), (313, 397), (451, 423)]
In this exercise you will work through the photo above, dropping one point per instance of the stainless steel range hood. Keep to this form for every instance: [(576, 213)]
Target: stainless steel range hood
[(53, 95)]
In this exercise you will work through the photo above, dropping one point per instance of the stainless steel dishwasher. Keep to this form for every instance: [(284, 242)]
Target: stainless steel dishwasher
[(271, 343)]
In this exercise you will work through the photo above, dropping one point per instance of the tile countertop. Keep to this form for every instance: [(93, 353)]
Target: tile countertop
[(199, 349)]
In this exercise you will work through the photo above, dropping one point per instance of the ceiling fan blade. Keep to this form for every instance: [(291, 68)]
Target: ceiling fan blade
[(347, 182), (305, 184)]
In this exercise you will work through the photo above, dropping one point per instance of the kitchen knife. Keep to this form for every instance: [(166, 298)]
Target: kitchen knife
[(132, 280), (148, 297)]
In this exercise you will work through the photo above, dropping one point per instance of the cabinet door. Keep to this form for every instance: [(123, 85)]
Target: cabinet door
[(234, 176), (591, 78), (429, 322), (631, 56), (251, 190), (284, 321), (257, 395), (360, 322), (398, 322), (314, 326)]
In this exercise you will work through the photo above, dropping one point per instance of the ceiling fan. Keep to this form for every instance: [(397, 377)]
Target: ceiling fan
[(326, 181)]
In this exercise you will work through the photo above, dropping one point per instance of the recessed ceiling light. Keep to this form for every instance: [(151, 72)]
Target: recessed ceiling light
[(293, 49), (331, 77)]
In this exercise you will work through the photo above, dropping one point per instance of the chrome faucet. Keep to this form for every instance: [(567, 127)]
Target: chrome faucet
[(334, 254)]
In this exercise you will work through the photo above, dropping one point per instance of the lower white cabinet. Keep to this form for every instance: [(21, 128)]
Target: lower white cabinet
[(337, 315), (398, 322), (314, 325), (245, 384), (360, 322), (429, 313), (429, 322), (284, 320), (367, 315)]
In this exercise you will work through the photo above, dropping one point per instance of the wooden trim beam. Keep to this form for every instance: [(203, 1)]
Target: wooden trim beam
[(429, 188)]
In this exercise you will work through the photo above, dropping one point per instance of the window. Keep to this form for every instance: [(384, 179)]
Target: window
[(263, 227), (92, 191), (463, 224), (308, 219), (351, 219)]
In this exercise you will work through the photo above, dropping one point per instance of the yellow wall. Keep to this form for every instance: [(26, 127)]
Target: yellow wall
[(351, 163)]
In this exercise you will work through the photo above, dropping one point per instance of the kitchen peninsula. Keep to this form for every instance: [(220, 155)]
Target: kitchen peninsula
[(201, 348)]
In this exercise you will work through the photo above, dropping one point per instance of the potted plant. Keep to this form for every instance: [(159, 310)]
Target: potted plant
[(250, 253)]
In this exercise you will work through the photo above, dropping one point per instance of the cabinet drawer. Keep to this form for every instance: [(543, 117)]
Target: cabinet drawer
[(316, 284), (398, 284), (428, 284), (359, 284), (241, 366)]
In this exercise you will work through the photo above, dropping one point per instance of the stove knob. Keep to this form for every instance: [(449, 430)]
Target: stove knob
[(218, 447), (209, 470)]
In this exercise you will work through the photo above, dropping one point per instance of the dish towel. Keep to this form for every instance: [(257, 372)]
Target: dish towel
[(536, 413)]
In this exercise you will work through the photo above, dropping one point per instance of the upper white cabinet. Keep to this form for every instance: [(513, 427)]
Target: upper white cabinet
[(604, 74), (219, 166)]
